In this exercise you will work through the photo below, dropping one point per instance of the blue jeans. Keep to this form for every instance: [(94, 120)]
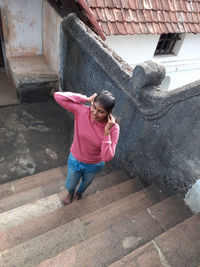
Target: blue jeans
[(78, 170)]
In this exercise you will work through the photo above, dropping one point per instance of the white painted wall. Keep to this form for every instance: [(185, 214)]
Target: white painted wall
[(192, 198), (51, 36), (181, 69), (133, 48), (22, 23)]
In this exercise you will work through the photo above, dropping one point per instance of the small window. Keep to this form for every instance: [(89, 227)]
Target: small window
[(166, 44)]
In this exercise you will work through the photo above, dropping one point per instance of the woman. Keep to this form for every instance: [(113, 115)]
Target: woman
[(96, 135)]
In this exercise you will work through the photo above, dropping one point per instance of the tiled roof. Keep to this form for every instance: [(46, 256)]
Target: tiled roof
[(122, 17)]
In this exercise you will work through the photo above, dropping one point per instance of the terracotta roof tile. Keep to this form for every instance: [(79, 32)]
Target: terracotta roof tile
[(173, 16), (141, 16), (133, 15), (140, 4), (121, 28), (153, 4), (110, 15), (100, 14), (125, 4), (128, 27), (117, 3), (143, 28), (183, 5), (190, 17), (113, 28), (157, 28), (169, 27), (197, 26), (187, 28), (150, 27), (133, 5), (161, 16), (105, 28), (127, 17), (165, 5), (109, 3), (146, 16), (195, 18), (118, 15), (166, 16), (92, 3), (159, 5), (193, 29), (136, 28), (154, 16), (147, 4)]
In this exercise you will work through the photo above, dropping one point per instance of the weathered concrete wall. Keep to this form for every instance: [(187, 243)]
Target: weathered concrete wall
[(155, 142), (51, 36), (22, 25)]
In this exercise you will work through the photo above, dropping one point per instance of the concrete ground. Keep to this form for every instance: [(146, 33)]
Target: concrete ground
[(33, 138)]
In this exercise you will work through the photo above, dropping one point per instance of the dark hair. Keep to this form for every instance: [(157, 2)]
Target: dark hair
[(106, 100)]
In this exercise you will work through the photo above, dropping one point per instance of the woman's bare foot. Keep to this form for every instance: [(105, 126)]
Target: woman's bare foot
[(68, 199), (77, 196)]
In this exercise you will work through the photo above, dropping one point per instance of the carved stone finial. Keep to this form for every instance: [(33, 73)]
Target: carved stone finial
[(146, 74)]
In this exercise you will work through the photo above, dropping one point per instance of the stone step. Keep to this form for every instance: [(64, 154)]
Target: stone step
[(178, 247), (31, 195), (27, 183), (43, 178), (103, 218), (113, 211), (51, 203), (119, 239), (59, 239), (42, 191)]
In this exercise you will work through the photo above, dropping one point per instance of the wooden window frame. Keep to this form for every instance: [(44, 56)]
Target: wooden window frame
[(166, 44)]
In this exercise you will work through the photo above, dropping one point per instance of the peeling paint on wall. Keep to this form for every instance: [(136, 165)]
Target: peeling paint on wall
[(22, 24), (51, 36)]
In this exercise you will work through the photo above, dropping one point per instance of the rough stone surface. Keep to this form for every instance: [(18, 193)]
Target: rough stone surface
[(145, 75), (155, 142), (14, 201), (43, 178), (154, 194), (177, 247), (173, 208), (47, 245), (181, 244), (24, 213), (31, 195), (110, 245), (6, 190), (39, 225), (146, 256), (113, 213)]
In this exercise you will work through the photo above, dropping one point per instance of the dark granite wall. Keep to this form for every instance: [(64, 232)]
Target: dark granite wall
[(160, 131)]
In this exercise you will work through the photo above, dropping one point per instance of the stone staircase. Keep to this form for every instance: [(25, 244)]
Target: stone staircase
[(119, 222)]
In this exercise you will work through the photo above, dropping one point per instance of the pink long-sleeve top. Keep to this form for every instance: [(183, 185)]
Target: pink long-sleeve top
[(90, 145)]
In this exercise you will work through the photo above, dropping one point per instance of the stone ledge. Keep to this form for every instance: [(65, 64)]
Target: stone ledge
[(33, 78)]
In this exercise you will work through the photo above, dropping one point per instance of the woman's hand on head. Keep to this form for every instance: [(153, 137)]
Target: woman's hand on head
[(91, 98), (109, 125)]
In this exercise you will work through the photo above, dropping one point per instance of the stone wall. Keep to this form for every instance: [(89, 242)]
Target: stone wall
[(160, 131)]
